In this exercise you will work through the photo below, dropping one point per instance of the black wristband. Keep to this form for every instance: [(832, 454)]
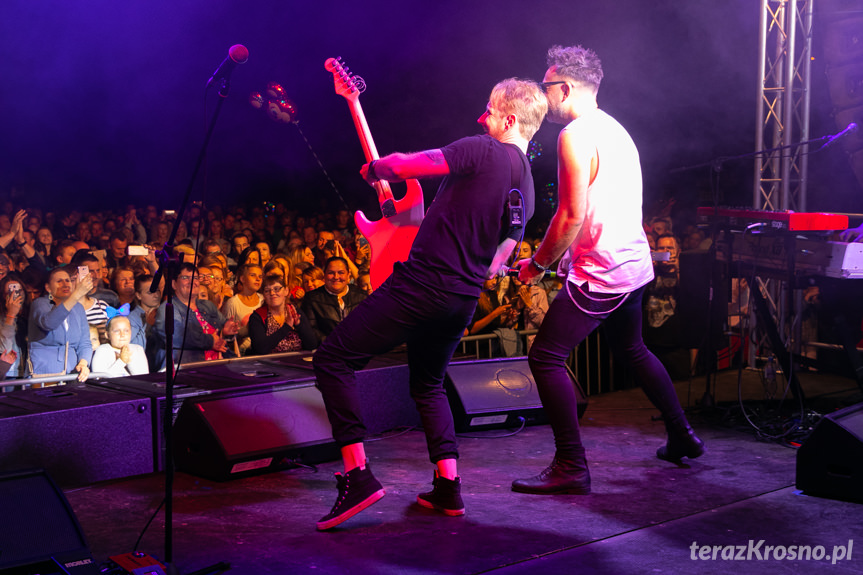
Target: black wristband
[(371, 172), (537, 266), (21, 244)]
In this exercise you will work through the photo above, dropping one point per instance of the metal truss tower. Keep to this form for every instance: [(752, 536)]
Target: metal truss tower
[(785, 45), (780, 183)]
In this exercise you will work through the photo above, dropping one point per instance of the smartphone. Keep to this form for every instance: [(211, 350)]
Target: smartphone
[(362, 241), (170, 213), (83, 271), (137, 250)]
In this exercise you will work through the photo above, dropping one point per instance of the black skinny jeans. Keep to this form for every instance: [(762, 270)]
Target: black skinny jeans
[(566, 326), (432, 323)]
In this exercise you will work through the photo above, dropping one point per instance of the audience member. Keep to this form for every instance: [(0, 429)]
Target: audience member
[(312, 278), (246, 300), (218, 290), (14, 310), (94, 307), (239, 242), (123, 282), (203, 337), (142, 318), (120, 357), (117, 246), (329, 304), (344, 226), (58, 332), (364, 282), (249, 256), (277, 326), (493, 310), (264, 252)]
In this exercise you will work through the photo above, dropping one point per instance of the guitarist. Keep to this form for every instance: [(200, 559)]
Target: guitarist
[(430, 299)]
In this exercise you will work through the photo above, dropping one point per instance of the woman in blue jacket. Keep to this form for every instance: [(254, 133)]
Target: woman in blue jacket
[(58, 330)]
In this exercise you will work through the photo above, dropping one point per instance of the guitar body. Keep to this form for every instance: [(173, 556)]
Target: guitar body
[(390, 239)]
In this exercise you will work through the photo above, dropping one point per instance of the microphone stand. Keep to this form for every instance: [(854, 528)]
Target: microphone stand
[(708, 400), (167, 267)]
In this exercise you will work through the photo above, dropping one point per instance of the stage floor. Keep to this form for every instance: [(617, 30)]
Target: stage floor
[(644, 514)]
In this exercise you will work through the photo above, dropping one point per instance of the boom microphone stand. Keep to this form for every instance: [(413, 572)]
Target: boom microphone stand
[(167, 267)]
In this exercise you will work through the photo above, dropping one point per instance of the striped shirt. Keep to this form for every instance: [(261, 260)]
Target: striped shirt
[(96, 315)]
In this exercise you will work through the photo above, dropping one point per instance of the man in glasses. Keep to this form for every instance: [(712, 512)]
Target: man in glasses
[(429, 299), (598, 223)]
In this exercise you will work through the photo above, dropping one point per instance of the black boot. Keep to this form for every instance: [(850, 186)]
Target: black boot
[(682, 442), (564, 475)]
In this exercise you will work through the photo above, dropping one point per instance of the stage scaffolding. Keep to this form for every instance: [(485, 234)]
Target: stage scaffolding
[(782, 120)]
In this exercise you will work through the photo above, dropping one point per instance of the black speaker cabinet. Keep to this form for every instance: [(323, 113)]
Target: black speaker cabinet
[(78, 433), (233, 435), (494, 393), (830, 461), (39, 532), (242, 375)]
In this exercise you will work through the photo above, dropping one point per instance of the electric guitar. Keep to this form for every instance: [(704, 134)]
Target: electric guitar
[(390, 238)]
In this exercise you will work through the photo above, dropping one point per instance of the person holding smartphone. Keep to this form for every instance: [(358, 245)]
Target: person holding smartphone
[(58, 331), (14, 307)]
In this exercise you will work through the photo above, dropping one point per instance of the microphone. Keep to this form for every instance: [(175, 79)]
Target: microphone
[(237, 54), (849, 129), (513, 272)]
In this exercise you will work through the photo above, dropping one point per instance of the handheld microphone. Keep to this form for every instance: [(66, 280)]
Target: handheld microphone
[(513, 272), (849, 129), (237, 54)]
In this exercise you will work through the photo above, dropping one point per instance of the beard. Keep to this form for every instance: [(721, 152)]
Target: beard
[(554, 114)]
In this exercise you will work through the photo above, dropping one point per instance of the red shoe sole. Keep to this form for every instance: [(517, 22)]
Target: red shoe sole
[(339, 519)]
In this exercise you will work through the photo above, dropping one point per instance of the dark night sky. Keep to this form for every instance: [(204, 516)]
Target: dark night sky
[(103, 101)]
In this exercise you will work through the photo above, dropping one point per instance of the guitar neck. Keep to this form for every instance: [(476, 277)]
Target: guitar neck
[(385, 193)]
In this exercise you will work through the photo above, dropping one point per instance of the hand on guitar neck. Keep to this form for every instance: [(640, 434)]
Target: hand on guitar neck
[(390, 237)]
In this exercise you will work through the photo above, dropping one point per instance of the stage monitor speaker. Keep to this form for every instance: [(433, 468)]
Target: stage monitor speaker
[(39, 532), (494, 393), (227, 436), (80, 434), (830, 461)]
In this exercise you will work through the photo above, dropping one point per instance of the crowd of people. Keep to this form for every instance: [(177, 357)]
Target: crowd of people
[(257, 280), (78, 295)]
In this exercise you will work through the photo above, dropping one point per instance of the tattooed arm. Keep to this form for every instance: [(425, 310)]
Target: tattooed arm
[(398, 167)]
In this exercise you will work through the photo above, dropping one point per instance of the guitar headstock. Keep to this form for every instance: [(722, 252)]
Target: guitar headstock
[(347, 85)]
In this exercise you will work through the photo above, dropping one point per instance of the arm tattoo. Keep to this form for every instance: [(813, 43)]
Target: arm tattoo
[(435, 156)]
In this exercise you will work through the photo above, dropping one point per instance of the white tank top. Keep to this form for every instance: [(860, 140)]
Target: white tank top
[(611, 252)]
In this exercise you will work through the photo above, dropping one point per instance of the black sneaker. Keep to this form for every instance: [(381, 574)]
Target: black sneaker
[(358, 489), (445, 497)]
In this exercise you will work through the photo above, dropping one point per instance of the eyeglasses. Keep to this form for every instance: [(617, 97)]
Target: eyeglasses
[(273, 290), (207, 277), (545, 85), (187, 278)]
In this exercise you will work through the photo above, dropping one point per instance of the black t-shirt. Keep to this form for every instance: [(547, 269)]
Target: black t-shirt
[(465, 223)]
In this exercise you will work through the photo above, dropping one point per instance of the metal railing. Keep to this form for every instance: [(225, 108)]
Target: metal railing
[(590, 362)]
